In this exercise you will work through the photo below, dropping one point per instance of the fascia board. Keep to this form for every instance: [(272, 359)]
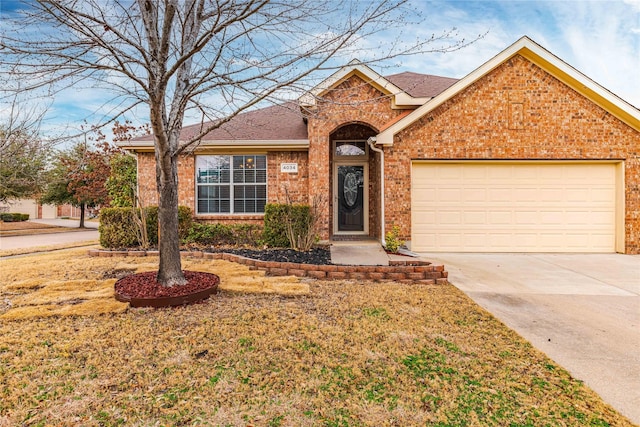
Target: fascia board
[(274, 145), (544, 59)]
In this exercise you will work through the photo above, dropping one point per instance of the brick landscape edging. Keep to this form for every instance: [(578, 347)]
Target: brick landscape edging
[(410, 271)]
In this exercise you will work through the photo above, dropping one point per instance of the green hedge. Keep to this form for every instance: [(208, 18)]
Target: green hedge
[(275, 223), (119, 230), (14, 217), (223, 234)]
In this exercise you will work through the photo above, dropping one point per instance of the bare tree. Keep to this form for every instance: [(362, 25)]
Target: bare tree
[(23, 153), (210, 59)]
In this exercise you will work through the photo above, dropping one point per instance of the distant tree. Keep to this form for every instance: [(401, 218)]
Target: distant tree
[(122, 183), (210, 58), (23, 154), (78, 177)]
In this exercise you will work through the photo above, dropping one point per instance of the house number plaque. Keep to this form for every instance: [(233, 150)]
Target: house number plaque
[(289, 167)]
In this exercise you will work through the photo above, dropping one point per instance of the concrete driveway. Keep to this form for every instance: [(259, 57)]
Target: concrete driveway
[(582, 310)]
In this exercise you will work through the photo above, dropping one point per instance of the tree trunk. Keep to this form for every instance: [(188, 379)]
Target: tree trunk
[(170, 268), (82, 210)]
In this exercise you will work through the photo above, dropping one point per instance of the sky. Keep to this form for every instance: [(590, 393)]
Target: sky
[(601, 39)]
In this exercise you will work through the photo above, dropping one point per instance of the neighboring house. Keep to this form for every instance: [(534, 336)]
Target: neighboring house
[(30, 207), (525, 154)]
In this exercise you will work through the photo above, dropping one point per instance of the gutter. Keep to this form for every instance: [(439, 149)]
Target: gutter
[(372, 141)]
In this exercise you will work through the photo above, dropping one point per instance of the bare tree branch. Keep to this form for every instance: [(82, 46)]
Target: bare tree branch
[(215, 57)]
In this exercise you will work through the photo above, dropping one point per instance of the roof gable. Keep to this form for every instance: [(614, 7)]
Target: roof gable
[(400, 98), (533, 52)]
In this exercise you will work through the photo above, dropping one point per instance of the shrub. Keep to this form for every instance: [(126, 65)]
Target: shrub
[(223, 234), (393, 240), (209, 234), (118, 228), (14, 217), (185, 220), (276, 219)]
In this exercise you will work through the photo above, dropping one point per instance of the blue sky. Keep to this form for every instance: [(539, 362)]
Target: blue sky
[(599, 38)]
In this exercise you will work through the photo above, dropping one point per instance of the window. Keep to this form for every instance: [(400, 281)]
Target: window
[(351, 148), (231, 184)]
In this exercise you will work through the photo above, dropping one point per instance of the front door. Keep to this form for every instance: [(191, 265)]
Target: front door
[(351, 195)]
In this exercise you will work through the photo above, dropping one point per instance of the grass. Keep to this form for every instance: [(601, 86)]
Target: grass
[(26, 228), (338, 354)]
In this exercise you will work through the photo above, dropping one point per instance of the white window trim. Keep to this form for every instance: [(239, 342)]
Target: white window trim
[(230, 184)]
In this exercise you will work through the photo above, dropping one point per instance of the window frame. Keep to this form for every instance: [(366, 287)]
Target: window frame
[(232, 185)]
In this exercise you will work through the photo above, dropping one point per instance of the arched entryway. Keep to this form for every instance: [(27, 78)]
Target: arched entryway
[(354, 183)]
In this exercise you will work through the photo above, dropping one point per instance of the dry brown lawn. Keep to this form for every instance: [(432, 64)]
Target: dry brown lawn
[(267, 352), (21, 228)]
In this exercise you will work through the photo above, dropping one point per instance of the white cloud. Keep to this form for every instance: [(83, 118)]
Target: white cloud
[(600, 39)]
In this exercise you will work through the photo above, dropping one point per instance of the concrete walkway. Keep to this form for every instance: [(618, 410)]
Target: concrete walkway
[(582, 310), (358, 253)]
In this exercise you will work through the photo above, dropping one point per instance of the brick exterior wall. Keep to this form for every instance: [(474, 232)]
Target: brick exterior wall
[(278, 184), (518, 111), (282, 186), (352, 102)]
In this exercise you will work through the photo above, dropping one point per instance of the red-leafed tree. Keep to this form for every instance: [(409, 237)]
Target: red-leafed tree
[(78, 176)]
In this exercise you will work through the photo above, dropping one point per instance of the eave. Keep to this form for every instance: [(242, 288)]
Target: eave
[(229, 145)]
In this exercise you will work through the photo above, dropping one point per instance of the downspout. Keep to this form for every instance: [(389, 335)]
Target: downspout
[(372, 141)]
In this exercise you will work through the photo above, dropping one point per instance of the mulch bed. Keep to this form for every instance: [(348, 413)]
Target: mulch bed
[(145, 285), (315, 256)]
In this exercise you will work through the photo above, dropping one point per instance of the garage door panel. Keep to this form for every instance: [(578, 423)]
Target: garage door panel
[(499, 195), (475, 217), (578, 194), (494, 207)]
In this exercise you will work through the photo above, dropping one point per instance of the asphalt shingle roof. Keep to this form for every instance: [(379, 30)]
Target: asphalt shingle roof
[(285, 122)]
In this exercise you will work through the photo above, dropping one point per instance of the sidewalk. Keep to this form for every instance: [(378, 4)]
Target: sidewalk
[(71, 223)]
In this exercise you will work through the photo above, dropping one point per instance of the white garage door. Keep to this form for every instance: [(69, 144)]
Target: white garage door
[(513, 207)]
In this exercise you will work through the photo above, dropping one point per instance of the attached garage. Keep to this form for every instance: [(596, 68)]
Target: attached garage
[(504, 206)]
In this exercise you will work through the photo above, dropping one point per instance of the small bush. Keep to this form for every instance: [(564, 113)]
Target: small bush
[(209, 234), (223, 234), (119, 230), (276, 218), (14, 217), (393, 240)]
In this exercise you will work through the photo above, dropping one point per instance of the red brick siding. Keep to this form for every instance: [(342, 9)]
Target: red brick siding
[(281, 183), (147, 179), (352, 102), (518, 111), (358, 131), (297, 184)]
